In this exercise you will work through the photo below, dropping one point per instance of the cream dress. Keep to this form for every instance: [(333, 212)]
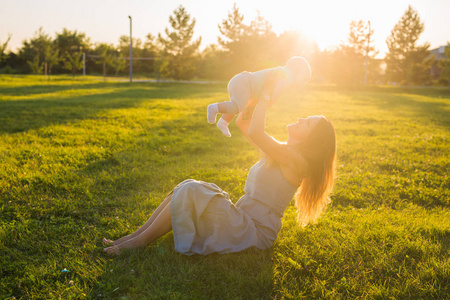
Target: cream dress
[(204, 220)]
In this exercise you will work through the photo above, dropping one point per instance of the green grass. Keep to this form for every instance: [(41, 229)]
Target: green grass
[(81, 159)]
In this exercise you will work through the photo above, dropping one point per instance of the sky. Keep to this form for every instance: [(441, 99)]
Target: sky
[(324, 21)]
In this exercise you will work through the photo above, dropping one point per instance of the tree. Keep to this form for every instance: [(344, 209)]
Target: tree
[(151, 46), (70, 44), (358, 37), (294, 43), (124, 46), (259, 45), (147, 50), (35, 66), (347, 62), (124, 49), (33, 50), (232, 29), (120, 63), (260, 26), (51, 57), (360, 42), (406, 62), (107, 55), (178, 48), (213, 63), (13, 64), (247, 47), (73, 62), (151, 51), (3, 47), (71, 41)]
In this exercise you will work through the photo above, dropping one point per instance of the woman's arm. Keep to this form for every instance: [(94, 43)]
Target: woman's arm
[(256, 131), (244, 118)]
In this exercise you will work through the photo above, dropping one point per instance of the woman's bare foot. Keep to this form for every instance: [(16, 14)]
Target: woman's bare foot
[(118, 241), (129, 244), (113, 250), (124, 239), (107, 241)]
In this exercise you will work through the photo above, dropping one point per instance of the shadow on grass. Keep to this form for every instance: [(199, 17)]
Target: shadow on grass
[(23, 115), (440, 235), (442, 92), (54, 88), (402, 100), (158, 272), (91, 196)]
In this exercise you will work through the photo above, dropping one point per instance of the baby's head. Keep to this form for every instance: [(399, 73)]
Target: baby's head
[(300, 70)]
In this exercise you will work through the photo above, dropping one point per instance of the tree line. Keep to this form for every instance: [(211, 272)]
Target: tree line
[(240, 46)]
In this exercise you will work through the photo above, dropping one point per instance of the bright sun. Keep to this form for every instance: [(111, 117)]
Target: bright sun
[(325, 22)]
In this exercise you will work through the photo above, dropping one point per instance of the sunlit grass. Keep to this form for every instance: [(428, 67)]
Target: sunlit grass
[(83, 159)]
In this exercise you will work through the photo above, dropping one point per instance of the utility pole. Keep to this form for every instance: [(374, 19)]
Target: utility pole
[(131, 50), (367, 55)]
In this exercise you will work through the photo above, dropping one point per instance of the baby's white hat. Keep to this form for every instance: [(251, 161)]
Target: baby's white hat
[(297, 65)]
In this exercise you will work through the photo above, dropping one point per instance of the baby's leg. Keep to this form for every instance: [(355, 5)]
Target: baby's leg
[(223, 124), (227, 117), (239, 90), (226, 107), (213, 110)]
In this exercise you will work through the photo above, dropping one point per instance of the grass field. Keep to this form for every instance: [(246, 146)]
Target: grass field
[(82, 159)]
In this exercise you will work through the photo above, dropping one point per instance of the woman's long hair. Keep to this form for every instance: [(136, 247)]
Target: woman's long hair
[(319, 151)]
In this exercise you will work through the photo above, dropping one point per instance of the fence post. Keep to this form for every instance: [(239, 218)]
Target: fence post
[(84, 64)]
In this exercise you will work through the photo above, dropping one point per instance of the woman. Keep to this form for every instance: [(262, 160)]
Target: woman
[(204, 220)]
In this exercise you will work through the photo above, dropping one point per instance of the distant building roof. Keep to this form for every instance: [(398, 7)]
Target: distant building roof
[(440, 52)]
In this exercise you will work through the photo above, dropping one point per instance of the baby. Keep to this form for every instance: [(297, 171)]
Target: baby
[(249, 85)]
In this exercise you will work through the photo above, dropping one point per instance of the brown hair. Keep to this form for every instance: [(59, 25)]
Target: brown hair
[(319, 151)]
